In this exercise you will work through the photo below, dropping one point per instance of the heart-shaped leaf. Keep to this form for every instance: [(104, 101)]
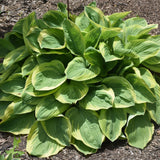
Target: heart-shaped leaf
[(79, 70), (49, 107), (18, 125), (15, 56), (111, 122), (48, 76), (124, 92), (71, 92), (85, 127), (139, 127), (13, 85), (98, 98), (58, 129), (39, 144), (52, 38)]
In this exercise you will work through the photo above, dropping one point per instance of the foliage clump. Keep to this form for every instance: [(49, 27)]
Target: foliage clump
[(79, 80)]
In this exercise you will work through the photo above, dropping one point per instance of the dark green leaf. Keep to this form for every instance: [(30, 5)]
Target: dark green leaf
[(18, 125)]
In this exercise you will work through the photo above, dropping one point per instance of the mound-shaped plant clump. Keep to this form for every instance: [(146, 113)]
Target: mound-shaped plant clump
[(79, 80)]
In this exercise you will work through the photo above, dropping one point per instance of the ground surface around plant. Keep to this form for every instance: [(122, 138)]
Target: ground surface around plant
[(12, 10)]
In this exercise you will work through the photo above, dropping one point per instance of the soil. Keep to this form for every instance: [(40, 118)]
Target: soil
[(12, 10)]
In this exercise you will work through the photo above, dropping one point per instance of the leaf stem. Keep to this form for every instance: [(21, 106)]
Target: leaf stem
[(68, 7)]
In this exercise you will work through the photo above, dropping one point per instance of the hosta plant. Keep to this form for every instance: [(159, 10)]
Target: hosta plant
[(79, 80)]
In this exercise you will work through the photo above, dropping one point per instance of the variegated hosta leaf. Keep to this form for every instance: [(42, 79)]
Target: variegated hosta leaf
[(15, 56), (79, 70), (28, 25), (155, 60), (29, 22), (98, 98), (154, 109), (71, 92), (31, 99), (94, 57), (48, 54), (48, 76), (58, 129), (41, 24), (49, 107), (31, 39), (93, 4), (8, 72), (136, 110), (29, 90), (7, 97), (19, 124), (92, 37), (124, 92), (154, 38), (28, 65), (54, 19), (109, 33), (120, 50), (61, 55), (81, 147), (85, 127), (94, 80), (74, 38), (62, 8), (52, 38), (15, 38), (135, 31), (135, 28), (130, 32), (146, 30), (143, 49), (124, 66), (18, 27), (13, 85), (146, 75), (115, 17), (112, 121), (17, 108), (135, 20), (39, 144), (5, 47), (153, 67), (105, 52), (3, 106), (82, 22), (142, 91), (96, 16), (139, 131)]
